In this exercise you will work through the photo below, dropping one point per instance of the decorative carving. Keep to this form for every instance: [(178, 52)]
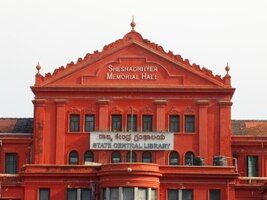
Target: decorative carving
[(189, 110), (147, 110), (116, 110), (174, 111), (75, 110), (90, 110), (130, 110)]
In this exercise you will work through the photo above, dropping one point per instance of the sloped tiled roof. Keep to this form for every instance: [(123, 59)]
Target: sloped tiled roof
[(16, 125), (249, 127)]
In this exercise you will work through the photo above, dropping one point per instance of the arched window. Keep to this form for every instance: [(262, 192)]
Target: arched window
[(189, 158), (147, 157), (174, 158), (88, 156), (73, 158), (115, 157), (129, 155)]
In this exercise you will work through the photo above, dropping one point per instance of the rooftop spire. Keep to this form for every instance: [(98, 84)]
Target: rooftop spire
[(227, 69), (38, 67), (133, 23)]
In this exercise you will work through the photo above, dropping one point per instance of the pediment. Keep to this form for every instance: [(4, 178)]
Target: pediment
[(132, 63)]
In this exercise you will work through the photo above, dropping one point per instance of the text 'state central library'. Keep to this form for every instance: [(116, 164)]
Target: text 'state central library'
[(132, 122)]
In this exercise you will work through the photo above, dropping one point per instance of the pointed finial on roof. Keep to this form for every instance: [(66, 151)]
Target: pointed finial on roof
[(38, 67), (227, 69), (133, 23)]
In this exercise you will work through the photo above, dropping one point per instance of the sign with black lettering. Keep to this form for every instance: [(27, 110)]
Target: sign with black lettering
[(131, 140)]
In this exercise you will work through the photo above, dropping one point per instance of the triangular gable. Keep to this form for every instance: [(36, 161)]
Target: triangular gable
[(132, 61)]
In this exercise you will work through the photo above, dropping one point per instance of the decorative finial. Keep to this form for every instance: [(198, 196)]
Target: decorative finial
[(133, 24), (227, 69), (38, 67)]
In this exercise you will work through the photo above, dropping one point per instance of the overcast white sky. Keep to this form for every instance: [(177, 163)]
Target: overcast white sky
[(207, 32)]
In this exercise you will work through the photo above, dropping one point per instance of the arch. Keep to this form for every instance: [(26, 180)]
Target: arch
[(147, 157), (174, 158), (189, 158), (73, 158), (88, 156), (133, 156), (116, 157)]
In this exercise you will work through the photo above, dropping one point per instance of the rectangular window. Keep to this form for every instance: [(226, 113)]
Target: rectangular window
[(180, 194), (153, 194), (172, 194), (189, 123), (89, 123), (114, 193), (72, 194), (147, 123), (215, 194), (142, 194), (187, 194), (128, 193), (116, 123), (44, 194), (132, 123), (252, 166), (11, 162), (85, 194), (74, 123), (174, 123)]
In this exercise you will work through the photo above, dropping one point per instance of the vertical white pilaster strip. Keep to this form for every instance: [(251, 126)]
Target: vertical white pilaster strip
[(107, 194), (149, 193), (120, 193), (180, 194), (135, 193)]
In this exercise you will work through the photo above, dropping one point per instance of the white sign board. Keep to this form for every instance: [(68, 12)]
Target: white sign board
[(131, 140)]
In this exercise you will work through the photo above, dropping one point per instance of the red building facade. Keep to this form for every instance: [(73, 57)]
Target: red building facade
[(132, 122)]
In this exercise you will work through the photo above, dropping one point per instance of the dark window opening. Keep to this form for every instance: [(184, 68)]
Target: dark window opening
[(190, 123), (116, 123), (128, 156), (215, 194), (189, 158), (11, 162), (174, 158), (88, 156), (89, 123), (147, 157), (174, 123), (44, 194), (74, 123), (73, 158), (72, 194), (115, 157), (147, 123), (132, 123), (252, 166)]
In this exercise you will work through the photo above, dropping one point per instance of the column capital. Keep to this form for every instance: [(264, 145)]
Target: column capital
[(103, 101), (203, 102), (160, 101), (39, 101), (225, 103), (60, 101)]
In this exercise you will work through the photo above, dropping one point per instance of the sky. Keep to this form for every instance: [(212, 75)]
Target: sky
[(207, 32)]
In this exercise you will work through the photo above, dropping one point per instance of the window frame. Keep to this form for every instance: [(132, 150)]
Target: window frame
[(215, 189), (112, 158), (112, 126), (15, 163), (85, 123), (135, 124), (178, 158), (144, 116), (44, 189), (192, 158), (77, 153), (88, 152), (257, 165), (178, 123), (151, 157), (128, 156), (70, 123), (186, 122)]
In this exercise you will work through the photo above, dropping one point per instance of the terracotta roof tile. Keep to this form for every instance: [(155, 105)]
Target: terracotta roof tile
[(249, 127), (16, 125)]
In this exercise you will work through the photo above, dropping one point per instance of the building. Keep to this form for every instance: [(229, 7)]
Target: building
[(132, 122)]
